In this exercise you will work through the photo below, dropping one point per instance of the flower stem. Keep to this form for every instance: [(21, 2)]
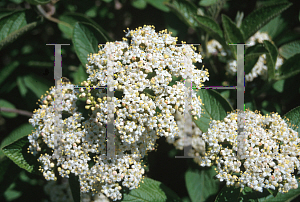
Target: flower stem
[(18, 111)]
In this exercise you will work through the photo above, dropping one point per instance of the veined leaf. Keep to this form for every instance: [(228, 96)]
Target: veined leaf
[(290, 49), (17, 152), (14, 25), (215, 107), (69, 20), (233, 34), (151, 190), (201, 184), (260, 17), (17, 134), (36, 84), (290, 67), (294, 119), (6, 12), (272, 27), (86, 38), (185, 10), (271, 58)]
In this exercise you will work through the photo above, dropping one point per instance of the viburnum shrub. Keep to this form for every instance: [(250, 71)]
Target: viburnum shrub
[(116, 128), (143, 64)]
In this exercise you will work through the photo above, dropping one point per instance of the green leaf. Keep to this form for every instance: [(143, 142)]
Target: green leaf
[(151, 191), (232, 33), (287, 37), (212, 28), (279, 86), (250, 60), (17, 152), (159, 4), (79, 76), (294, 119), (139, 4), (36, 84), (257, 48), (7, 70), (290, 49), (14, 25), (38, 2), (85, 39), (208, 2), (290, 67), (6, 104), (75, 187), (68, 21), (215, 107), (271, 58), (272, 27), (6, 12), (185, 10), (260, 17), (92, 12), (201, 184), (10, 194), (22, 86), (17, 134)]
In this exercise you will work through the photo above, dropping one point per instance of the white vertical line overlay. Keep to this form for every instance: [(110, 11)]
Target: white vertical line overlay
[(110, 110), (58, 127), (188, 72)]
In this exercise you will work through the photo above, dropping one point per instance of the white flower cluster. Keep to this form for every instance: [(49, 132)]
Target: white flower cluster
[(260, 68), (143, 68), (264, 155), (189, 134), (144, 106), (213, 47)]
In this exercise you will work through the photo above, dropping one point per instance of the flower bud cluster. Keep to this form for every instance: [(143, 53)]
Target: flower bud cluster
[(259, 69), (264, 154)]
